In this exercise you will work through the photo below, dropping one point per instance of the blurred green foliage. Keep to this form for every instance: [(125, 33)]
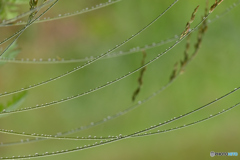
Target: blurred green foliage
[(12, 52), (14, 103), (9, 8), (213, 72)]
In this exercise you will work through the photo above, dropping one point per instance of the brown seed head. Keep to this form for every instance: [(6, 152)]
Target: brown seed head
[(220, 1), (193, 14), (215, 5)]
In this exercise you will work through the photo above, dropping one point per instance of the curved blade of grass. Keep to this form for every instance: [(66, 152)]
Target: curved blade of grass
[(91, 61), (46, 136), (107, 84), (30, 21), (21, 30), (120, 137), (93, 124), (112, 55), (104, 120), (57, 136), (89, 138), (10, 22), (189, 124), (101, 5), (116, 54)]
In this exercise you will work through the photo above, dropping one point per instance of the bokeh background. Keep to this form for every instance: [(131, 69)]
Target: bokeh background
[(214, 72)]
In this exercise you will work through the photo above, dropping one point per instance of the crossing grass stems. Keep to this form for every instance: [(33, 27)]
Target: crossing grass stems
[(177, 71)]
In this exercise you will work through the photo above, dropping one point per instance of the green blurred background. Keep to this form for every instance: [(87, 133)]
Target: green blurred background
[(214, 72)]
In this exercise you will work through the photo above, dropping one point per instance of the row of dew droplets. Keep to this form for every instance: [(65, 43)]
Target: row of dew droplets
[(228, 9), (116, 54), (92, 124), (60, 16), (62, 60), (9, 21), (18, 33), (121, 137), (108, 117), (29, 23), (109, 83), (48, 19), (88, 9), (105, 119), (112, 55), (187, 125), (85, 93), (57, 136), (91, 61)]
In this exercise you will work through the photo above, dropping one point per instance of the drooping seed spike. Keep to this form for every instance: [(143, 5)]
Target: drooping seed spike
[(187, 28), (193, 14), (214, 6)]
